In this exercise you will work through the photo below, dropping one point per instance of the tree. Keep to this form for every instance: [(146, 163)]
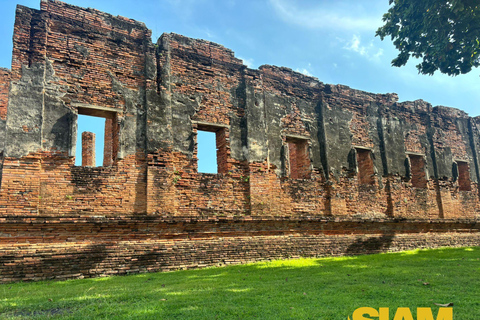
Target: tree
[(445, 34)]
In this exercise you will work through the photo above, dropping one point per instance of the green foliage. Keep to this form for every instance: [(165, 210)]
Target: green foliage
[(176, 176), (327, 289), (445, 34)]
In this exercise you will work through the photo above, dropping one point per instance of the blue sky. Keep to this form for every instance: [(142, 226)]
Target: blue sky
[(333, 41)]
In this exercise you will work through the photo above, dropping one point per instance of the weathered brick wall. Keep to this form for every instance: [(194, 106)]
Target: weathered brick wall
[(452, 145), (69, 60), (206, 73), (354, 149), (181, 190), (92, 190), (440, 136), (425, 131), (46, 248), (89, 48), (413, 119), (199, 78), (5, 79), (282, 109), (196, 65), (304, 168), (4, 87)]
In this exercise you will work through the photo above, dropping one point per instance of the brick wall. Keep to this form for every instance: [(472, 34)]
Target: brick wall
[(194, 66), (4, 87), (49, 248), (206, 73), (304, 168), (88, 48)]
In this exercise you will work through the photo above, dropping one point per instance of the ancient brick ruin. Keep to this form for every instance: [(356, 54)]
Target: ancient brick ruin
[(304, 168)]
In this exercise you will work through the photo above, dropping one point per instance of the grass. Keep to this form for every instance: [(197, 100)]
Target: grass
[(327, 288)]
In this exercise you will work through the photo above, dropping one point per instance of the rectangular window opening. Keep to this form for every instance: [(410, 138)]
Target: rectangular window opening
[(417, 171), (366, 171), (212, 149), (298, 158), (464, 183), (97, 138)]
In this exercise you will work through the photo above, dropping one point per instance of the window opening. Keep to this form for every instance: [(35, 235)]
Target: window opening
[(207, 152), (366, 171), (97, 138), (418, 175), (212, 149), (298, 158)]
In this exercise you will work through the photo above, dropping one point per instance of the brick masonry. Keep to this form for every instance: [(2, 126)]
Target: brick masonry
[(88, 149), (4, 87), (304, 168)]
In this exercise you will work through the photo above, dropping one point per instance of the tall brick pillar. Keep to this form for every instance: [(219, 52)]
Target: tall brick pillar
[(108, 146), (88, 149)]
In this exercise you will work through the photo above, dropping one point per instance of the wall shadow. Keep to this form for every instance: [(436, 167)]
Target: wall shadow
[(371, 245)]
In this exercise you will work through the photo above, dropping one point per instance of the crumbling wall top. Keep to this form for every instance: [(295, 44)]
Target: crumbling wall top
[(343, 90), (290, 75), (117, 23), (285, 81), (449, 112), (417, 106), (201, 47)]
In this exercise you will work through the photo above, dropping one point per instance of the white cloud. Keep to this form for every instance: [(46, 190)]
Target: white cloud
[(304, 71), (368, 51), (324, 16), (248, 62), (208, 33)]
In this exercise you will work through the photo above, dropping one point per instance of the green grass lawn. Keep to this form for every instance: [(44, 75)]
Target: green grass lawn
[(327, 288)]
